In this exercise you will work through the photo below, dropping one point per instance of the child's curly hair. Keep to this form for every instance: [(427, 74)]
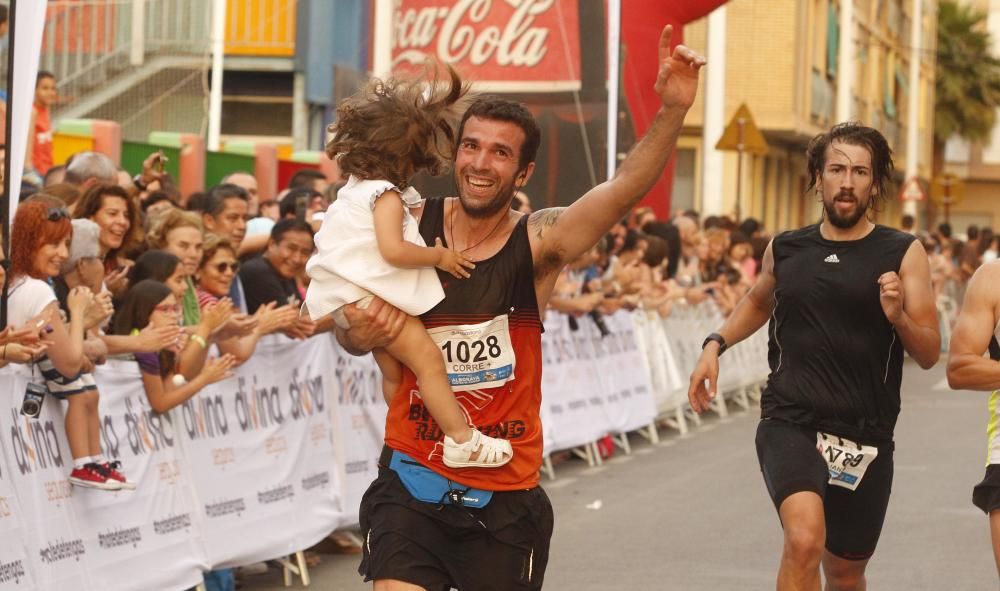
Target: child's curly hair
[(395, 128)]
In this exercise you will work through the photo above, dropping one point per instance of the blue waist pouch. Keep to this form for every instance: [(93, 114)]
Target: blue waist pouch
[(428, 486)]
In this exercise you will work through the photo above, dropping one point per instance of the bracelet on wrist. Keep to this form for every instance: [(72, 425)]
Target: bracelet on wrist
[(198, 339)]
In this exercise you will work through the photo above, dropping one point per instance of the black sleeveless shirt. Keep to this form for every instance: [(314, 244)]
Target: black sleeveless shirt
[(497, 378), (836, 361), (501, 284)]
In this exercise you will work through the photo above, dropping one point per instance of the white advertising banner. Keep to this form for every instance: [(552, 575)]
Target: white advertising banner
[(359, 426), (258, 466), (624, 374), (158, 523), (571, 385), (261, 450), (15, 571), (38, 462)]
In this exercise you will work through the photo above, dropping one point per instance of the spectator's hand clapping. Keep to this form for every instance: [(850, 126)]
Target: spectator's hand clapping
[(117, 280), (20, 353), (99, 310), (301, 329), (217, 314), (217, 369), (274, 319), (153, 340), (78, 301), (31, 334), (238, 326)]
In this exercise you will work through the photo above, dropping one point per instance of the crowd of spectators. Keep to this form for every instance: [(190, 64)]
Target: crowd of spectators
[(107, 264), (104, 263), (656, 265)]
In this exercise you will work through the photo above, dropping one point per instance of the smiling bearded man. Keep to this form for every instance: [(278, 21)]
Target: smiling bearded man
[(427, 526)]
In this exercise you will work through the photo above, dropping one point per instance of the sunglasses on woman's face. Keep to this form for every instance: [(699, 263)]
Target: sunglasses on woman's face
[(57, 213), (233, 266)]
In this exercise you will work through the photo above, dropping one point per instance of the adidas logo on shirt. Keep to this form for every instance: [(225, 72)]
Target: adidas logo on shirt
[(831, 259)]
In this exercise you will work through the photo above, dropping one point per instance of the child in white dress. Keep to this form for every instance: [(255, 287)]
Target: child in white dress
[(370, 244)]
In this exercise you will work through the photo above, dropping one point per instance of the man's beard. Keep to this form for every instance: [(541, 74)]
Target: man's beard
[(498, 203), (844, 222)]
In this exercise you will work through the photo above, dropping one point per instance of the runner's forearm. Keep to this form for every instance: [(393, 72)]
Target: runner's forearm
[(746, 319), (923, 343), (973, 372)]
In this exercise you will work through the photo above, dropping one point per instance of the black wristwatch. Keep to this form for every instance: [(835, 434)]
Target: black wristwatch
[(137, 181), (718, 339)]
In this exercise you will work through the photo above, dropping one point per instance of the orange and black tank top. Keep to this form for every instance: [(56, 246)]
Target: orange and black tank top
[(489, 332)]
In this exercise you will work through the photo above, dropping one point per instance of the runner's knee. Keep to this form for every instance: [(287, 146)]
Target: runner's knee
[(804, 546), (844, 575)]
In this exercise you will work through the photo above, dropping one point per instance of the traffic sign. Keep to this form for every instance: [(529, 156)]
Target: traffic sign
[(912, 190), (742, 134), (947, 190)]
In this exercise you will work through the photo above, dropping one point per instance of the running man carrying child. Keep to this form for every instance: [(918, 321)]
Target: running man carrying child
[(370, 244)]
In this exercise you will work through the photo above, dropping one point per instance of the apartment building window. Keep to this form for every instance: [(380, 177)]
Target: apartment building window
[(832, 39), (890, 86), (682, 196)]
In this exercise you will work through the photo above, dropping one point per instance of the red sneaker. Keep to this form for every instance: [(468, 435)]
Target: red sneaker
[(110, 471), (90, 477)]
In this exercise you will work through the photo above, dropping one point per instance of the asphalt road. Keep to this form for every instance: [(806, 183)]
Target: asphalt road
[(692, 513)]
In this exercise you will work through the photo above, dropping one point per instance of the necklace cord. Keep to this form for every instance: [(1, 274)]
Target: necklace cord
[(484, 239)]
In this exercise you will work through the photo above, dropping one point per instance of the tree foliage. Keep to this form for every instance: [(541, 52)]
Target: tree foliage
[(967, 83)]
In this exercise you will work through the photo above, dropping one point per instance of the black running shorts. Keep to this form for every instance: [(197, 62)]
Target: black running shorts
[(791, 463), (504, 545), (986, 494)]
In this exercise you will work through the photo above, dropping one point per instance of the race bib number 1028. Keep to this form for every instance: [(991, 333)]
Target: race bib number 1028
[(476, 356), (846, 459)]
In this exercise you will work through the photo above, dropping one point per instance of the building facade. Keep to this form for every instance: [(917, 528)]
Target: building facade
[(788, 62)]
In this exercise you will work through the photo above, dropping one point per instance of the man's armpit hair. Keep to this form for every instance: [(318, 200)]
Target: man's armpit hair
[(542, 220), (552, 256)]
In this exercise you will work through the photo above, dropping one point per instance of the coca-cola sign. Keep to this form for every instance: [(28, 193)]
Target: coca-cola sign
[(502, 45)]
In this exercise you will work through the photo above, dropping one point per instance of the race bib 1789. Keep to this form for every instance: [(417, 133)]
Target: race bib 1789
[(846, 459), (476, 356)]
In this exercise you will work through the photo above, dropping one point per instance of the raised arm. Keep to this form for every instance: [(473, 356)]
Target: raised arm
[(967, 368), (565, 233)]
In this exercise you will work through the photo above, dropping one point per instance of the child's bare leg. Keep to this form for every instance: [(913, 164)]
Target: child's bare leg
[(392, 372), (415, 349), (464, 446), (78, 421), (94, 426)]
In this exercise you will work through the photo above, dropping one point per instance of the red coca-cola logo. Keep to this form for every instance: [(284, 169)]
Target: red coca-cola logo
[(491, 40)]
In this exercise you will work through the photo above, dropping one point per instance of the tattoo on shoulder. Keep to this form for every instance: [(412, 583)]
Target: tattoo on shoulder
[(542, 220)]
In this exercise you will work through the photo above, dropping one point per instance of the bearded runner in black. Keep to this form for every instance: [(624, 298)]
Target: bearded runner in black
[(844, 298)]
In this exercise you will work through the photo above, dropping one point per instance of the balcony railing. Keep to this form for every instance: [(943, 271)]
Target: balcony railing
[(89, 41)]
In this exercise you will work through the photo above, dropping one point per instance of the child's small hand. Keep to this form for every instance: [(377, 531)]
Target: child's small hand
[(452, 261)]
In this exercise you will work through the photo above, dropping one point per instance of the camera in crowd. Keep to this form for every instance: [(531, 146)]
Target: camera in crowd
[(34, 395), (594, 315), (730, 274)]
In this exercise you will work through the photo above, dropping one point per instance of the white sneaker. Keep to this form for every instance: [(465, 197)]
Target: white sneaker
[(493, 452)]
